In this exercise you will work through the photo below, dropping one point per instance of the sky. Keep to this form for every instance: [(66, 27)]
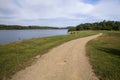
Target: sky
[(58, 13)]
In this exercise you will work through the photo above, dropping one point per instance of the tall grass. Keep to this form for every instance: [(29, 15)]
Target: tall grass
[(17, 55), (104, 54)]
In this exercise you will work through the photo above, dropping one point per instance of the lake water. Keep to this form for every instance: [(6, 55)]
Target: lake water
[(7, 36)]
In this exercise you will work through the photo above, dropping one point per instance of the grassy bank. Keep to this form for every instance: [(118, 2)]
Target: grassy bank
[(16, 56), (104, 53)]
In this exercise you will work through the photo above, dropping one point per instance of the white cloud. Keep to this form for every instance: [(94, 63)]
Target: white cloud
[(7, 4), (35, 9), (107, 9), (75, 11)]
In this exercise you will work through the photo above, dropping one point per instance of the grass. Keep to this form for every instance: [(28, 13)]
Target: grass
[(18, 55), (104, 55)]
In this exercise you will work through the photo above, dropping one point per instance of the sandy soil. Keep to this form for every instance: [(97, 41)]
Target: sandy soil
[(65, 62)]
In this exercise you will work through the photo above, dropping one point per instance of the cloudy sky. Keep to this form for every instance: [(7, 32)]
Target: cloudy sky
[(58, 13)]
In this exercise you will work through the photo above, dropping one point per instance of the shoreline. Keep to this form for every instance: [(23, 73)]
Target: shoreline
[(16, 56), (16, 35)]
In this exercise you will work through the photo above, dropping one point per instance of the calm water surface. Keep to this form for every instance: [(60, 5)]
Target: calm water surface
[(7, 36)]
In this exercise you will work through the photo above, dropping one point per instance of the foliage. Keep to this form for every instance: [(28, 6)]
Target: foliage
[(105, 25), (71, 29), (18, 27)]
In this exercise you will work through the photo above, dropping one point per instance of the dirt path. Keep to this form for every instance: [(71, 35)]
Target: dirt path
[(65, 62)]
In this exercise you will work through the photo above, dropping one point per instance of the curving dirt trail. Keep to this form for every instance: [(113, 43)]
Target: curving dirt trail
[(65, 62)]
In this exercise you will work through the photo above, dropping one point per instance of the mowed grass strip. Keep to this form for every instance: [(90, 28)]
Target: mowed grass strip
[(104, 55), (17, 55)]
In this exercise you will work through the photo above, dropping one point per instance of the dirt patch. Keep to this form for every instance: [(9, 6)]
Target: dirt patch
[(65, 62)]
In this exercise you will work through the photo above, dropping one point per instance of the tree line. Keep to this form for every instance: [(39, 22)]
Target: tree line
[(18, 27), (104, 25)]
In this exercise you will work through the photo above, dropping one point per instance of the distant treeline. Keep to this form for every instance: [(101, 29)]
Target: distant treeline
[(104, 25), (18, 27)]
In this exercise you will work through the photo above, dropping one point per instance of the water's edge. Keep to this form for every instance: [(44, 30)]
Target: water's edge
[(8, 36)]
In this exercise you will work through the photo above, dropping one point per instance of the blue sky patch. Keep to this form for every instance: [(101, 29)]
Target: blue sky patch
[(91, 1)]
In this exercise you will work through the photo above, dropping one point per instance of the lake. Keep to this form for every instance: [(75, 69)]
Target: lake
[(7, 36)]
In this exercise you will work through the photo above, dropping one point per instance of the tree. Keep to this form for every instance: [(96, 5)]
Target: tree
[(104, 25)]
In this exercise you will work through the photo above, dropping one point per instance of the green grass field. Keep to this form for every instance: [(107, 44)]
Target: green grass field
[(17, 55), (104, 55)]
